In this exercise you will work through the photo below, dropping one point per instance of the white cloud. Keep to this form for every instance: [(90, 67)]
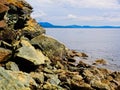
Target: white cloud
[(93, 18), (112, 16), (40, 2), (95, 3), (78, 3), (86, 3), (83, 18), (71, 16), (38, 14)]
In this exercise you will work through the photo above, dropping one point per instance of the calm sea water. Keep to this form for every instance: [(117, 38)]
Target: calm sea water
[(97, 43)]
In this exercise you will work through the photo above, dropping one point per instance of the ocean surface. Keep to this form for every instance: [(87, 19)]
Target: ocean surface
[(97, 43)]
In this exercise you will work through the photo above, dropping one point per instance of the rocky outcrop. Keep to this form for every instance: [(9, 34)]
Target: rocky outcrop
[(15, 21), (31, 60)]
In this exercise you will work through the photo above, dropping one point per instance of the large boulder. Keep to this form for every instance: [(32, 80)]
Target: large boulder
[(50, 47), (28, 52), (23, 78), (9, 82)]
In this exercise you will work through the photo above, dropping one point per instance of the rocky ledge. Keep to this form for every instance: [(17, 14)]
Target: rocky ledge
[(31, 60)]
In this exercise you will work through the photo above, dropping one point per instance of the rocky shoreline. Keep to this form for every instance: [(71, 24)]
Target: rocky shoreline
[(31, 60)]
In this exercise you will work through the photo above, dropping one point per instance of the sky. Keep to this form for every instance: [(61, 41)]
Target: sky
[(79, 12)]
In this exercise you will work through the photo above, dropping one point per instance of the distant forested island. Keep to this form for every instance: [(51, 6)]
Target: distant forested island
[(49, 25)]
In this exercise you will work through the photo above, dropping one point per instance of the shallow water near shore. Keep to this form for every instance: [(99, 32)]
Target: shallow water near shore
[(97, 43)]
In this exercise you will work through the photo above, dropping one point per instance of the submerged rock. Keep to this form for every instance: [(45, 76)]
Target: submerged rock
[(100, 61), (73, 53)]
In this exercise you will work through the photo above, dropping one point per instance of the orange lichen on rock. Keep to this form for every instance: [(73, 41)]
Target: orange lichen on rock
[(2, 23), (15, 2), (4, 54), (3, 1), (18, 3), (3, 8), (31, 22)]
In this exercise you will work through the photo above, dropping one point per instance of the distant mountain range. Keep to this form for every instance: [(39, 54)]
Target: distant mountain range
[(49, 25)]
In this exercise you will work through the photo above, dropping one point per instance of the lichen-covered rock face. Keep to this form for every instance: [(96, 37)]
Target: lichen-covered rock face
[(50, 47), (15, 21), (32, 29)]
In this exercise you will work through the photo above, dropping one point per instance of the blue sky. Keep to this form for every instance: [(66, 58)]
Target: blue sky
[(80, 12)]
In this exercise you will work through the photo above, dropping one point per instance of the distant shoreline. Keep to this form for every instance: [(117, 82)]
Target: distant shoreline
[(85, 28), (49, 25)]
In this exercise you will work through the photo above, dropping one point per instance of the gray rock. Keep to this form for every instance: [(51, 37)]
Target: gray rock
[(28, 52), (23, 78), (53, 79), (8, 82), (12, 66)]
